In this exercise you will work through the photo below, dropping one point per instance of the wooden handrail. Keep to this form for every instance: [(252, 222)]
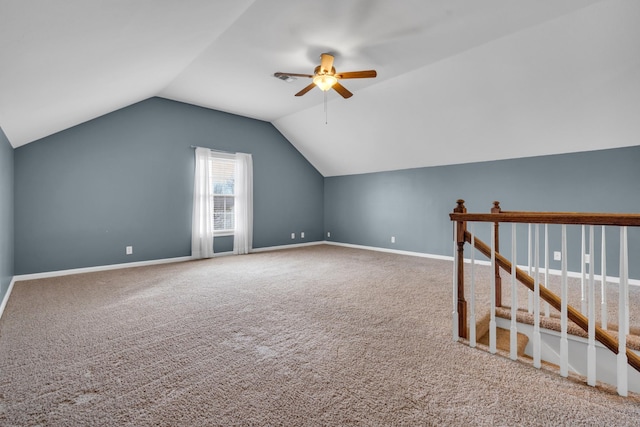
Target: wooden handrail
[(631, 220), (555, 301)]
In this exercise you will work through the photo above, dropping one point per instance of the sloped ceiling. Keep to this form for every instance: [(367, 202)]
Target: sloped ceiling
[(458, 80)]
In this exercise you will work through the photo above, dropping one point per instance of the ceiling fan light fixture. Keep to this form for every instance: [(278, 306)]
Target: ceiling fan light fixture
[(324, 81)]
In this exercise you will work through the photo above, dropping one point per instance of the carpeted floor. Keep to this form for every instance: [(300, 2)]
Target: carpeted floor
[(315, 336)]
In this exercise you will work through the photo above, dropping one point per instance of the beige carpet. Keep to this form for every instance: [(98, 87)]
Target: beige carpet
[(315, 336)]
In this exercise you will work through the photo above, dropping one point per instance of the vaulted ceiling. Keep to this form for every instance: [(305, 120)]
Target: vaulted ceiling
[(458, 80)]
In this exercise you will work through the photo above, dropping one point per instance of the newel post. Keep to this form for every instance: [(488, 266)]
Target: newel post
[(461, 228), (496, 210)]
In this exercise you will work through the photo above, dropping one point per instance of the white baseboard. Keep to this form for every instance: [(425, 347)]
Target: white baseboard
[(553, 272), (5, 299), (220, 254), (391, 251), (295, 245), (58, 273)]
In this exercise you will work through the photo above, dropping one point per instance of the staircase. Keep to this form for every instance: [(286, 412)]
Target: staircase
[(553, 323), (550, 347), (574, 339)]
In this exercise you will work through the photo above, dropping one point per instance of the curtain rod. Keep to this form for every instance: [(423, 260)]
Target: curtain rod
[(213, 149)]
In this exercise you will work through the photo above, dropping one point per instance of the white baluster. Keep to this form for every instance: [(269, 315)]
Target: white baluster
[(530, 266), (626, 284), (513, 338), (472, 321), (583, 297), (622, 316), (603, 270), (564, 343), (546, 266), (536, 303), (492, 322), (454, 313), (591, 347)]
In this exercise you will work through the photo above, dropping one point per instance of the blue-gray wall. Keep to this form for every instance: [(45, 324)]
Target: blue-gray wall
[(414, 205), (6, 214), (126, 178)]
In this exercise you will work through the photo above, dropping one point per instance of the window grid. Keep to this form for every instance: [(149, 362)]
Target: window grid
[(223, 184)]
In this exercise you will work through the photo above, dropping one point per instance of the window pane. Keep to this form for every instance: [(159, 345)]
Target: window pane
[(222, 172), (223, 213)]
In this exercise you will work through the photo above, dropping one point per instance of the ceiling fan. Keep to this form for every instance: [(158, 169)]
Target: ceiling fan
[(325, 77)]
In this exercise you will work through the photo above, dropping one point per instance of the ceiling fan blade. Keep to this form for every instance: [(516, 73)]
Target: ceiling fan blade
[(357, 74), (342, 90), (279, 74), (306, 89), (326, 63)]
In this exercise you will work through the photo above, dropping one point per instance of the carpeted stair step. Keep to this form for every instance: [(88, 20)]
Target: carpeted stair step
[(503, 341), (503, 336), (482, 325), (553, 323)]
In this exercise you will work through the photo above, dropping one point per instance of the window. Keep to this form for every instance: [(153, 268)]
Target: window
[(222, 201), (222, 172)]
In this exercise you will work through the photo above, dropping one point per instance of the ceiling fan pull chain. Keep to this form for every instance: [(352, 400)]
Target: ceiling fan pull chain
[(326, 120)]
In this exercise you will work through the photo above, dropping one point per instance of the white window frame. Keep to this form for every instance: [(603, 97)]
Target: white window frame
[(215, 156)]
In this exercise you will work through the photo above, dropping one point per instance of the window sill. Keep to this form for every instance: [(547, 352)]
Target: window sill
[(222, 233)]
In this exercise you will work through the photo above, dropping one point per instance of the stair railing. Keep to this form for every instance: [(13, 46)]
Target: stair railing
[(538, 292)]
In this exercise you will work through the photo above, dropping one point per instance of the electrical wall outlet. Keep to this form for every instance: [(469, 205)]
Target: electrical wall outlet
[(587, 258), (328, 234), (302, 234), (129, 250), (393, 239), (557, 256), (293, 235)]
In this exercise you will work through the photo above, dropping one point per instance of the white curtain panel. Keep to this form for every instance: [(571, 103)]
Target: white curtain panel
[(202, 223), (243, 234)]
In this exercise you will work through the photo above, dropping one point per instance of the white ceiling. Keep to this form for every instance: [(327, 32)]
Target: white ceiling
[(458, 80)]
